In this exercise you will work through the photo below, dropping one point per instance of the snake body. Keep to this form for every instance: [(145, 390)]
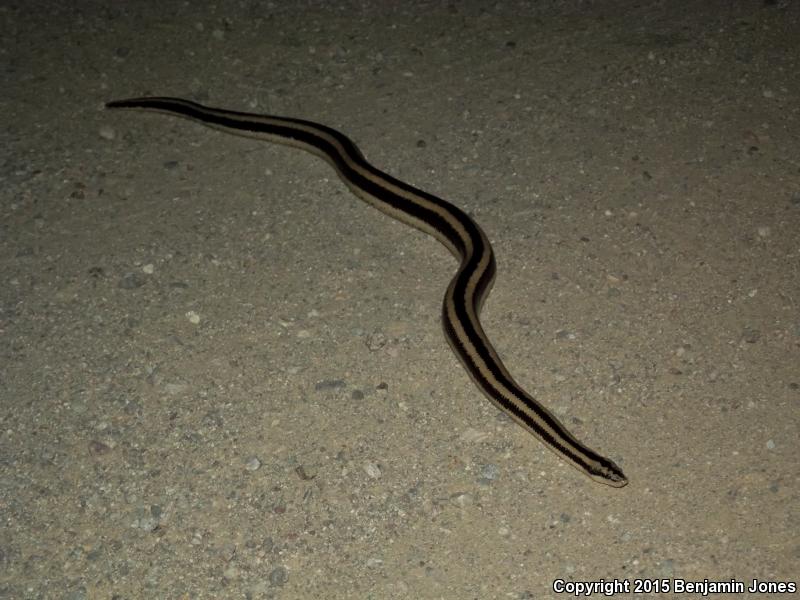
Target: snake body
[(458, 232)]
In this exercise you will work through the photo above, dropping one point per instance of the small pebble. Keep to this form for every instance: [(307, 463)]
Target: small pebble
[(372, 470), (279, 576), (230, 572), (376, 341), (107, 133), (489, 472), (303, 474), (148, 520), (131, 281), (461, 499), (174, 389), (473, 436), (751, 336), (98, 448), (329, 384)]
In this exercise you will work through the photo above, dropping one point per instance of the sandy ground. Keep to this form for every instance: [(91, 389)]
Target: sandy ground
[(223, 376)]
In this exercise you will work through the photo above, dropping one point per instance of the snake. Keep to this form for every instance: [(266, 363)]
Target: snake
[(447, 223)]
